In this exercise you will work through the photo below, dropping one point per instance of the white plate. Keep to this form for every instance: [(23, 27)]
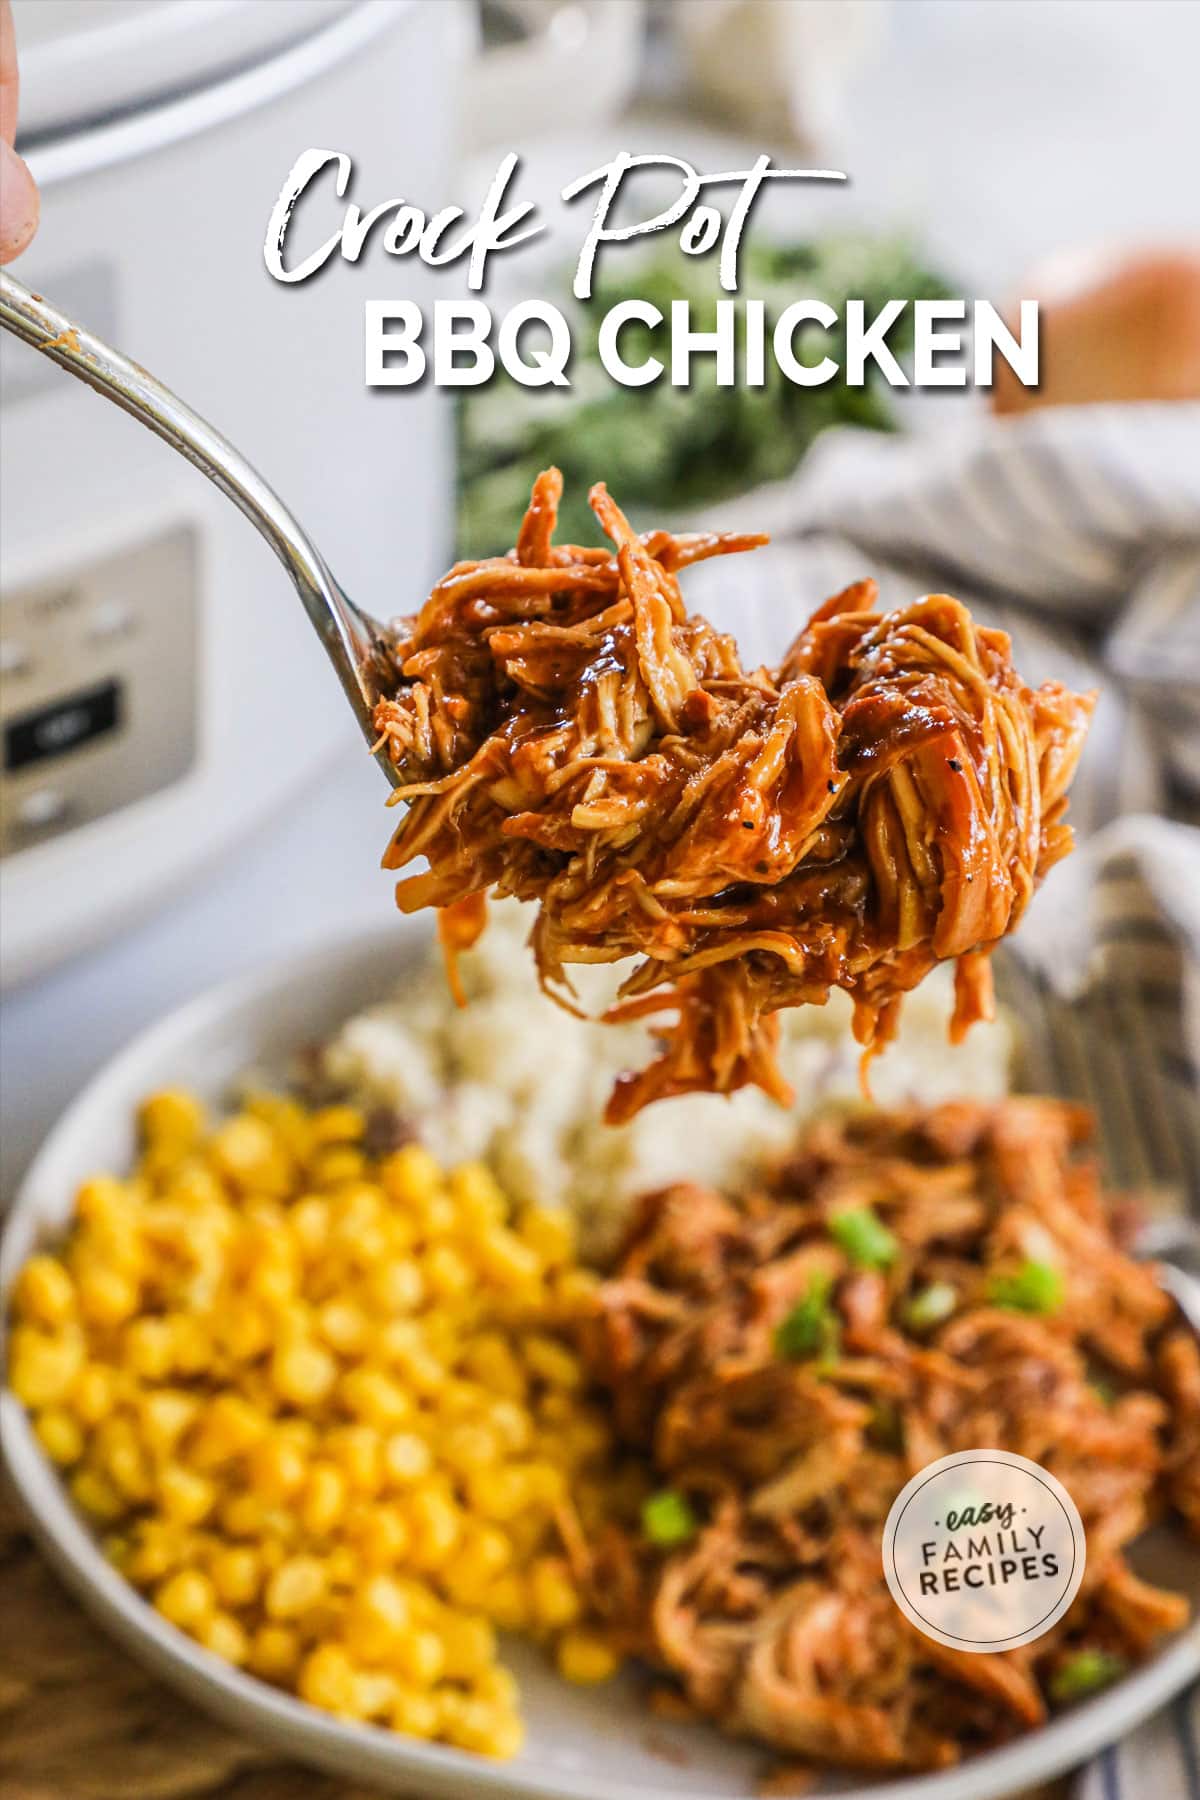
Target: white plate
[(583, 1744)]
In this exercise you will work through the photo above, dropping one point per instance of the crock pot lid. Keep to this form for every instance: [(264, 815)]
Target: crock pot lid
[(87, 60)]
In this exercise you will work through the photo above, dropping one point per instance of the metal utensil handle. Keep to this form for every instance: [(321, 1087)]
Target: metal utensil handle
[(344, 632)]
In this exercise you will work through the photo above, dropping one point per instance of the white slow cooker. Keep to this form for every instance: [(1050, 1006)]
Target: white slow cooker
[(161, 693)]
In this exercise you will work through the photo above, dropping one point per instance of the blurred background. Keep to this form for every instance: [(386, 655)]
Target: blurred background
[(184, 794)]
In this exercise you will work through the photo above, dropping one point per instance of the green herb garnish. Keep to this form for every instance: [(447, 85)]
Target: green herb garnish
[(864, 1237), (668, 1519), (1036, 1287), (812, 1328), (930, 1306), (1085, 1673)]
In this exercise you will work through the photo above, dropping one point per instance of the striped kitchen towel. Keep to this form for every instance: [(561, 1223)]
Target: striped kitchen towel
[(1078, 531)]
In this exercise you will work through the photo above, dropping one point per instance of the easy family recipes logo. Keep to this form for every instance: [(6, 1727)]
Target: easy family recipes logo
[(460, 343), (984, 1550)]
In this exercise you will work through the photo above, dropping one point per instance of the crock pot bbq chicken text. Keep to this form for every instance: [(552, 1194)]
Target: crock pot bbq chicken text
[(563, 730)]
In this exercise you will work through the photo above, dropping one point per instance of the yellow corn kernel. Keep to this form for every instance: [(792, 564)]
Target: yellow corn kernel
[(183, 1495), (435, 1526), (446, 1274), (236, 1573), (303, 1373), (309, 1222), (378, 1617), (505, 1259), (420, 1657), (556, 1407), (375, 1694), (411, 1175), (439, 1217), (43, 1365), (243, 1148), (499, 1493), (491, 1361), (44, 1292), (225, 1637), (101, 1199), (337, 1125), (475, 1192), (164, 1415), (323, 1500), (123, 1459), (60, 1435), (396, 1286), (173, 1117), (402, 1342), (355, 1450), (343, 1567), (466, 1447), (274, 1652), (228, 1426), (344, 1327), (295, 1588), (106, 1295), (468, 1645), (505, 1737), (94, 1392), (552, 1594), (575, 1291), (551, 1235), (483, 1553), (406, 1458), (186, 1599), (374, 1398), (511, 1424), (337, 1165), (191, 1344), (552, 1362), (272, 1280), (147, 1348), (476, 1725), (382, 1537), (506, 1603), (499, 1685), (585, 1659), (195, 1186), (543, 1484), (328, 1679), (416, 1715), (245, 1331), (277, 1467)]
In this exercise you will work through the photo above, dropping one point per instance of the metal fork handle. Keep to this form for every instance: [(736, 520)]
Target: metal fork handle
[(348, 635)]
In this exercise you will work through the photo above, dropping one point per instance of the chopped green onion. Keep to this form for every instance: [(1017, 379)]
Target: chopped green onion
[(930, 1306), (1085, 1673), (1103, 1389), (668, 1519), (864, 1237), (812, 1328), (1035, 1287)]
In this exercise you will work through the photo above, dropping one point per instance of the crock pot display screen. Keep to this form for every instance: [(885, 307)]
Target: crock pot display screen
[(64, 725)]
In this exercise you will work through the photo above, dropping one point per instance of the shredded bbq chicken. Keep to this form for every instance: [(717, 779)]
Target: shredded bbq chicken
[(774, 1619), (563, 730)]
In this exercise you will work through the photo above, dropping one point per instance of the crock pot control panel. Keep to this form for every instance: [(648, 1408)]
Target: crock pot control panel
[(98, 697)]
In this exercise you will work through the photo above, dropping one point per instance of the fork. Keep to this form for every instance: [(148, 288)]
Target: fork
[(355, 642)]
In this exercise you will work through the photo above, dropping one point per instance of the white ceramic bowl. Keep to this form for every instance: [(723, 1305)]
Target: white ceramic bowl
[(583, 1744)]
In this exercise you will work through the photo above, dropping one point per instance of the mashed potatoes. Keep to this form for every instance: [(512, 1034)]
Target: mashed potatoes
[(516, 1082)]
